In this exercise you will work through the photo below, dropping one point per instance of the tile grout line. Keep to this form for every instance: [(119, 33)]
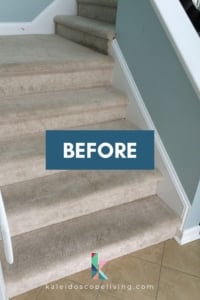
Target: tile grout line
[(98, 292), (180, 271), (38, 293), (161, 265), (147, 261)]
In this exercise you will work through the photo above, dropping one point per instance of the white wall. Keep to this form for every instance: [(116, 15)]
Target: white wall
[(43, 23)]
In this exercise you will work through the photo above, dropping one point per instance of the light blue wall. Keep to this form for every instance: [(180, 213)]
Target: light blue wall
[(21, 10), (164, 86)]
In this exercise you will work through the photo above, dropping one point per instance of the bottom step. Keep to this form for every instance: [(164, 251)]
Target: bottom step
[(54, 252)]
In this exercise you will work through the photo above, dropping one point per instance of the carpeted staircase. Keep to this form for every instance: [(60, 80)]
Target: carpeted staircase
[(58, 218), (93, 27)]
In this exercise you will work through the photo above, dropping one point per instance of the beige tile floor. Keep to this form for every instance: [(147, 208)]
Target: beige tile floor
[(163, 272)]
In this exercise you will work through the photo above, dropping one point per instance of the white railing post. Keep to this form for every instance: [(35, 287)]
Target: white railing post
[(7, 246), (2, 285)]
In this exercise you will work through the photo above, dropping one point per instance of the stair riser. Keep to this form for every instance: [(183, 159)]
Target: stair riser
[(24, 84), (69, 210), (66, 121), (100, 13), (85, 39), (108, 3), (114, 235), (25, 159), (23, 170), (82, 262)]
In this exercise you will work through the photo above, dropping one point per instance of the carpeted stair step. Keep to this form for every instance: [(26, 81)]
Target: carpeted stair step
[(57, 64), (51, 253), (35, 113), (40, 202), (99, 10), (23, 158), (109, 3), (91, 33)]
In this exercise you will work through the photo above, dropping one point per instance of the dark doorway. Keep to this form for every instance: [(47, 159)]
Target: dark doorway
[(193, 13)]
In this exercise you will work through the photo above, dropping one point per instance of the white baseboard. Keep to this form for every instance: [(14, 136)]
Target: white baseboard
[(189, 235), (43, 23), (170, 189)]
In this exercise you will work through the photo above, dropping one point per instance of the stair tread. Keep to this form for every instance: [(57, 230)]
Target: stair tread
[(93, 27), (41, 104), (23, 158), (109, 3), (75, 194), (46, 53), (36, 112), (54, 252)]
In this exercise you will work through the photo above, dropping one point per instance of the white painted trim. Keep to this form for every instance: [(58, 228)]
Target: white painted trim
[(43, 23), (7, 244), (189, 235), (193, 217), (170, 189), (5, 233), (182, 35)]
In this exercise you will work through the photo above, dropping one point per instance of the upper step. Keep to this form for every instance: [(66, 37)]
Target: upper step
[(98, 10), (23, 157), (35, 113), (91, 33), (60, 197), (52, 253), (32, 64), (109, 3)]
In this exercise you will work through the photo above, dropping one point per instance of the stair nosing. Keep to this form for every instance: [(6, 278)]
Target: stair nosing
[(144, 183), (113, 99), (126, 236), (95, 33)]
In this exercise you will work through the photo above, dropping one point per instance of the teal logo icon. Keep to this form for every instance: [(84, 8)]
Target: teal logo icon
[(96, 267)]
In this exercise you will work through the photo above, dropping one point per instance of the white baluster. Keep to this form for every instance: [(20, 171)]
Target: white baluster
[(2, 285), (7, 245)]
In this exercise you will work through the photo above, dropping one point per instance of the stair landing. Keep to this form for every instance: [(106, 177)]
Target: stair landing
[(25, 49)]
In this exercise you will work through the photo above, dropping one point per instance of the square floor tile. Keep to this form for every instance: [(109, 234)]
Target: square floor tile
[(104, 296), (153, 254), (184, 258), (32, 295), (175, 285), (131, 278)]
